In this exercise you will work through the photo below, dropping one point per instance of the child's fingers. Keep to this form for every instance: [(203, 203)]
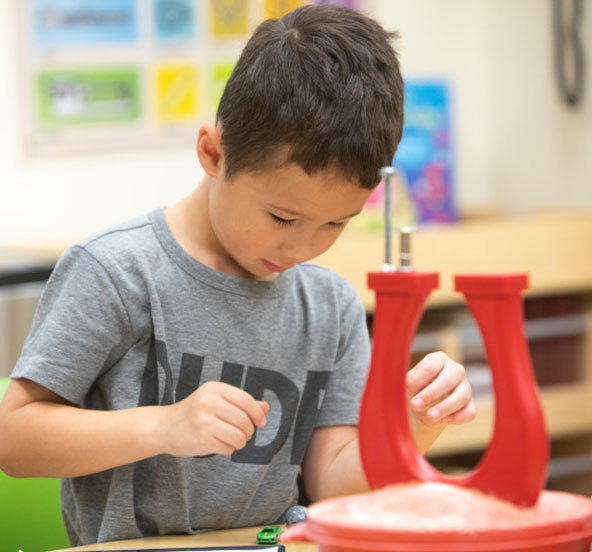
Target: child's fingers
[(424, 372), (439, 388), (231, 435), (217, 418), (454, 403), (246, 403), (236, 417), (264, 406), (462, 416)]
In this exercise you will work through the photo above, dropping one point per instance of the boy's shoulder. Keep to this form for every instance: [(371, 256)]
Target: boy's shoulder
[(126, 240), (120, 248), (130, 231)]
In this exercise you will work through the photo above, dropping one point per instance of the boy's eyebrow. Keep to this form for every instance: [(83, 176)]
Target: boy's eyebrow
[(297, 214)]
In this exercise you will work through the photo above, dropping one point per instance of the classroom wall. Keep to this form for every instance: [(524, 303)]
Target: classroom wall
[(542, 150), (517, 147)]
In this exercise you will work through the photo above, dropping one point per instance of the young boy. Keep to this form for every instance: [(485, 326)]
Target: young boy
[(183, 367)]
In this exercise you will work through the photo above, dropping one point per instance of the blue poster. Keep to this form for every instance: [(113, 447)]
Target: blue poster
[(425, 154), (174, 18), (58, 23)]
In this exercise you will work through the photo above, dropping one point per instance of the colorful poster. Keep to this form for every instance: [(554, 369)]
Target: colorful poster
[(59, 23), (83, 96), (274, 9), (229, 18), (176, 92), (425, 155), (220, 73), (423, 186), (174, 19), (112, 74)]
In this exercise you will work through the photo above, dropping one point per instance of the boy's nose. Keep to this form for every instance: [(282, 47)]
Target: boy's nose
[(297, 251)]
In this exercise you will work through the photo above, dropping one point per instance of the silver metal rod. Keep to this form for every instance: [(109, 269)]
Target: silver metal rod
[(386, 173)]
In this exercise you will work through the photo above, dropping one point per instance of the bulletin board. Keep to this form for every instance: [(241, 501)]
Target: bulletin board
[(113, 75)]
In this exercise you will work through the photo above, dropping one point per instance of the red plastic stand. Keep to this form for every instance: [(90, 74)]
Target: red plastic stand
[(515, 464)]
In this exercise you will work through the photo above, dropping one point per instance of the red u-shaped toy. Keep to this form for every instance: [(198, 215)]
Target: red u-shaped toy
[(514, 466)]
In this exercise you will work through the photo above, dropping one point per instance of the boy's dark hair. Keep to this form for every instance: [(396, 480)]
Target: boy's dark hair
[(323, 82)]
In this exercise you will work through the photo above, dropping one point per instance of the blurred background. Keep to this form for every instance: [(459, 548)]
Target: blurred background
[(100, 105), (517, 146)]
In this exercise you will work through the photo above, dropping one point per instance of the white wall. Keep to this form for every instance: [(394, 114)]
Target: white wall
[(450, 40), (542, 150), (517, 146)]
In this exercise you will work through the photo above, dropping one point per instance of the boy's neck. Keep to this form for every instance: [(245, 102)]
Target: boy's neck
[(189, 222)]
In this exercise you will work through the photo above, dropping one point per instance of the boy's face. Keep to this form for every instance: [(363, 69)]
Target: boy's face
[(268, 221)]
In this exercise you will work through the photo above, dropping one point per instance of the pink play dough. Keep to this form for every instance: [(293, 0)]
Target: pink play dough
[(440, 507)]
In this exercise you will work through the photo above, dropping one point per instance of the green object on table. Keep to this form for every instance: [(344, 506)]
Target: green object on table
[(268, 535), (30, 511)]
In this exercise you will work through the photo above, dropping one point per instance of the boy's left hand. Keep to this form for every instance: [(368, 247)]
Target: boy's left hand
[(439, 394)]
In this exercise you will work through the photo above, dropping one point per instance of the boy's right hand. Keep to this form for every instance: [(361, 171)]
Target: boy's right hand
[(217, 418)]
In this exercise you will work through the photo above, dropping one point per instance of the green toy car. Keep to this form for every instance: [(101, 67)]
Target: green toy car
[(269, 534)]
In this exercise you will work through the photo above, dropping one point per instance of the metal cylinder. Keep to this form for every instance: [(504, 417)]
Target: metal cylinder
[(386, 173), (405, 264)]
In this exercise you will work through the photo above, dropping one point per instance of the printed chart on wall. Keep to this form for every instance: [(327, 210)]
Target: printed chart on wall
[(111, 75)]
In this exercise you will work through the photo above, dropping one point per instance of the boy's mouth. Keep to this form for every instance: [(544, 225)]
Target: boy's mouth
[(272, 267)]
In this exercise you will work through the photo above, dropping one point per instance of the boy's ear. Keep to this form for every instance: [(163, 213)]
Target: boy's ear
[(209, 149)]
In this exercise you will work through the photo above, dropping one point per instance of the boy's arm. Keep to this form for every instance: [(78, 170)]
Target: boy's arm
[(332, 465), (45, 436), (438, 394)]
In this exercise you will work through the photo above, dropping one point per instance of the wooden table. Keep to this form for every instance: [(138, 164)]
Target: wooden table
[(233, 537)]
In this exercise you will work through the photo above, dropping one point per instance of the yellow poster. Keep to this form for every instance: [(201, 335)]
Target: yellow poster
[(229, 18), (176, 92), (279, 8)]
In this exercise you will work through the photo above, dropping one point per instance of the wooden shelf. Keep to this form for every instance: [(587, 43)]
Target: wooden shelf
[(552, 247), (567, 408)]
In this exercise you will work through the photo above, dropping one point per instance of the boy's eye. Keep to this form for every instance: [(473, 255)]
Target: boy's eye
[(282, 221), (336, 224)]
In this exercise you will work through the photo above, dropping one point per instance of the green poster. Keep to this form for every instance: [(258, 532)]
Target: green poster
[(88, 96), (220, 73)]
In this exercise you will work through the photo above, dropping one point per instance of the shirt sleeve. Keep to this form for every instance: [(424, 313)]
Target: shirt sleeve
[(346, 383), (81, 328)]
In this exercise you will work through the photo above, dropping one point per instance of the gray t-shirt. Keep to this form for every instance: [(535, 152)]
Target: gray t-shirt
[(128, 319)]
